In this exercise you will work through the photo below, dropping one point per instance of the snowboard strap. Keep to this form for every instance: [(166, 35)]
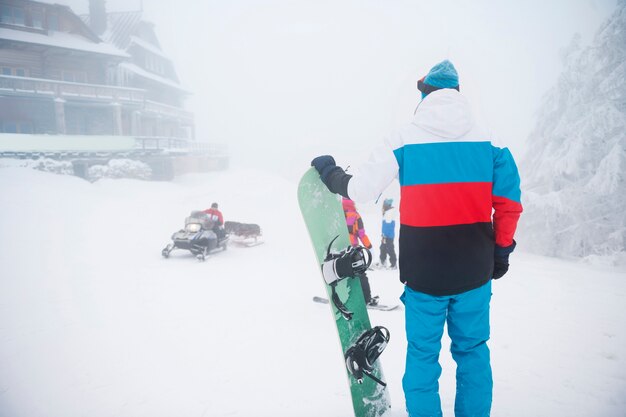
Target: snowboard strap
[(360, 357), (350, 262), (345, 313)]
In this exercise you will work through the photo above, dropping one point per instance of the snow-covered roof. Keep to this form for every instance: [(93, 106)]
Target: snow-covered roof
[(148, 46), (135, 69), (61, 40), (120, 27), (17, 142), (69, 3)]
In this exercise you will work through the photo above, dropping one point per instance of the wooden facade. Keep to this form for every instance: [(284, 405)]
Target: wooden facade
[(57, 76)]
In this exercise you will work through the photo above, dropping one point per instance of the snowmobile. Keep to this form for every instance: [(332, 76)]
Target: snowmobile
[(200, 237)]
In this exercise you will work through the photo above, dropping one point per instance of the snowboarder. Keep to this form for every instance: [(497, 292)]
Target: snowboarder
[(451, 246), (356, 231), (388, 234)]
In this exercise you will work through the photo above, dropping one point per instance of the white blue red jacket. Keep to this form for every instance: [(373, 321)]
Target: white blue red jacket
[(460, 195)]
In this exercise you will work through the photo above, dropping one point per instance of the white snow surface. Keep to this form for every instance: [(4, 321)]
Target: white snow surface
[(93, 322)]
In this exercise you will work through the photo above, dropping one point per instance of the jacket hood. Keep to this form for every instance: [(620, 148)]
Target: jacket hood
[(444, 113)]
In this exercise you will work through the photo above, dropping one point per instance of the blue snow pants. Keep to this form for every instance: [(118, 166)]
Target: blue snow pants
[(467, 316)]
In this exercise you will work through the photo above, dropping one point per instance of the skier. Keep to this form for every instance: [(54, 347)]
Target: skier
[(356, 231), (451, 246), (218, 220), (388, 234)]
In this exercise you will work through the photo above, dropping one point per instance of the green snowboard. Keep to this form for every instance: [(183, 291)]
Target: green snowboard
[(325, 220)]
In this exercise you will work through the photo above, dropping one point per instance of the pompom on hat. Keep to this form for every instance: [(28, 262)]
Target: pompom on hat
[(442, 75)]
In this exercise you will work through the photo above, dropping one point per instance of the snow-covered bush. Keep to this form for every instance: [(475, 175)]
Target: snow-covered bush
[(120, 168), (44, 164), (54, 166)]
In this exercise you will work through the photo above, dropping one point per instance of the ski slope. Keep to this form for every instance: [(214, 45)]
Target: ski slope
[(93, 322)]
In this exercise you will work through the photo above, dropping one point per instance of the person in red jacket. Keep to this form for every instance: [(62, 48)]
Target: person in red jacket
[(215, 215), (218, 220), (460, 204), (356, 231)]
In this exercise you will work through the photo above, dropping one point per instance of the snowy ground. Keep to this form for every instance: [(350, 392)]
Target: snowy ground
[(93, 322)]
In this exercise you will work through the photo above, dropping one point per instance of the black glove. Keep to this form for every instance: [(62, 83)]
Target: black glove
[(500, 267), (331, 175), (501, 260), (324, 165)]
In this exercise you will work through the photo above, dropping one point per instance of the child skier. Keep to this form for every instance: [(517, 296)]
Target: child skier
[(388, 234), (357, 232)]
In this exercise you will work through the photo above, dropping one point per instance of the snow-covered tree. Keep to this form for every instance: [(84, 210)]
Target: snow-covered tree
[(574, 172)]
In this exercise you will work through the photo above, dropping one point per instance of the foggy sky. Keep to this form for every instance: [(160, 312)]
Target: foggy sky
[(283, 80)]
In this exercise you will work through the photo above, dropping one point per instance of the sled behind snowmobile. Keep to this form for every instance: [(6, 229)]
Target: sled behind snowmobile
[(244, 234)]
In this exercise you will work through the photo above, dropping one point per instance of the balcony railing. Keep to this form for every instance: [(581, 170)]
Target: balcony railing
[(167, 110), (179, 145), (155, 143), (103, 93), (67, 146), (63, 89)]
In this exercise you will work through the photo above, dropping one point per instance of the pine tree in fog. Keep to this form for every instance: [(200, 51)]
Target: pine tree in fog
[(574, 171)]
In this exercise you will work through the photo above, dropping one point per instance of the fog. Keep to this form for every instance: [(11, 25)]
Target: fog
[(280, 81)]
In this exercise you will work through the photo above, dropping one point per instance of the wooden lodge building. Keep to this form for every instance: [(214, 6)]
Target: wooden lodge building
[(102, 74)]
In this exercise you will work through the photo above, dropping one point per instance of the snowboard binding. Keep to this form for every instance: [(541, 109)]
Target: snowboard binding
[(361, 356), (350, 262)]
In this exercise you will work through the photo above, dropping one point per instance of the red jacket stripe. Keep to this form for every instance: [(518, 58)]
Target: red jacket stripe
[(505, 217), (428, 205)]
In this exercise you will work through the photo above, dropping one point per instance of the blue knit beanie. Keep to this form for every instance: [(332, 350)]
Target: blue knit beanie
[(442, 75)]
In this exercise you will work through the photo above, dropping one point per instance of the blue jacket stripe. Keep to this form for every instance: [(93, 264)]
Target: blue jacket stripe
[(429, 163), (506, 181)]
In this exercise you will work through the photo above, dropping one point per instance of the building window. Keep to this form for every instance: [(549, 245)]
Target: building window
[(154, 64), (53, 22), (6, 16), (12, 15), (18, 72), (36, 18), (16, 127), (18, 16), (26, 128), (9, 127), (75, 76)]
